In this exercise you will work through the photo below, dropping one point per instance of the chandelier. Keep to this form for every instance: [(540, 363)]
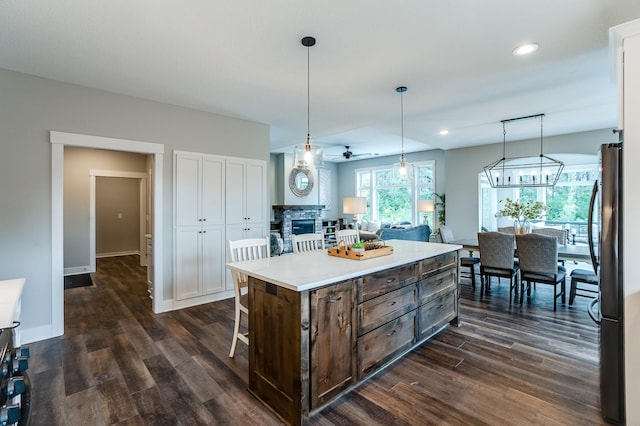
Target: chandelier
[(307, 155), (517, 172)]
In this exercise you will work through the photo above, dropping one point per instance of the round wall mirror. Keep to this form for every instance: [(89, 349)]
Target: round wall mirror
[(301, 181)]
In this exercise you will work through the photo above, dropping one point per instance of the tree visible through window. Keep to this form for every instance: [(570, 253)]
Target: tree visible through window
[(393, 199)]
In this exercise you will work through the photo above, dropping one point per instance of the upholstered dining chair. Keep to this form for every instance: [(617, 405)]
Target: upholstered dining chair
[(349, 236), (507, 229), (238, 251), (446, 234), (583, 283), (538, 256), (559, 234), (305, 243), (496, 260)]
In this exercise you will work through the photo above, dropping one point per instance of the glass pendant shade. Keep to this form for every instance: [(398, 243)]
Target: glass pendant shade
[(307, 155), (531, 171), (402, 170)]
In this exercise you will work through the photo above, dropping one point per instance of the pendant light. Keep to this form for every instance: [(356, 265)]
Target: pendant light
[(307, 155), (403, 169), (519, 172)]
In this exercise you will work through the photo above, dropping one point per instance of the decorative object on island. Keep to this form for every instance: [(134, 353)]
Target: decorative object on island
[(301, 181), (528, 171), (425, 207), (522, 213), (402, 170), (361, 251), (308, 155), (354, 206)]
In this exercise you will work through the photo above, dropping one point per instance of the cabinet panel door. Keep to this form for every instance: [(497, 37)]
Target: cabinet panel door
[(332, 341), (187, 262), (256, 192), (235, 192), (187, 178), (213, 259), (213, 190)]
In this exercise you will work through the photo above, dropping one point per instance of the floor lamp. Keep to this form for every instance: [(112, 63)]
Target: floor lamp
[(355, 206)]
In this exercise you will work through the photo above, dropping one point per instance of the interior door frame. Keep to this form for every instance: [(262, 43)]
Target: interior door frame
[(58, 141), (142, 177)]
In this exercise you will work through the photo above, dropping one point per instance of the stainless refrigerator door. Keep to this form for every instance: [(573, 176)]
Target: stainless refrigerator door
[(611, 382), (610, 244)]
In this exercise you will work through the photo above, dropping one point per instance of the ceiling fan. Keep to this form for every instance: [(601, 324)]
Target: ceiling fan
[(348, 154)]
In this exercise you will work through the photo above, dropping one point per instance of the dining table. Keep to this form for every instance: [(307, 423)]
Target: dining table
[(574, 252)]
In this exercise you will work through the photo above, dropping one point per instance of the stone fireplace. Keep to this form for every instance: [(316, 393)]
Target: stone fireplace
[(306, 218)]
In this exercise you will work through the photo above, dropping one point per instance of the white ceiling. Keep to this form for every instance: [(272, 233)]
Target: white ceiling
[(244, 59)]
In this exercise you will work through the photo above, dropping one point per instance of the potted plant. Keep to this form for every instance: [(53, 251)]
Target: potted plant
[(358, 246), (522, 213)]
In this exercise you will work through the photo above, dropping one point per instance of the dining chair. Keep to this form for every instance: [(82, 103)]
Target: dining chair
[(239, 251), (349, 236), (590, 280), (306, 243), (559, 234), (446, 234), (538, 256), (496, 260)]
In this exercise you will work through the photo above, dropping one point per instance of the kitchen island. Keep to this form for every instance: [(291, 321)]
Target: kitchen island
[(320, 325)]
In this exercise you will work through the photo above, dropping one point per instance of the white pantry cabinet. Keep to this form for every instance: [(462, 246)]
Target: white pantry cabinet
[(199, 224), (216, 199)]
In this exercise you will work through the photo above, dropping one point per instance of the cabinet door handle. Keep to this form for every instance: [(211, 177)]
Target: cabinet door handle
[(204, 220), (390, 280), (440, 281), (391, 303), (334, 300), (391, 333)]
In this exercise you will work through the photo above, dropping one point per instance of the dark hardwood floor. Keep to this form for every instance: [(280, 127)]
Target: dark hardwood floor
[(118, 363)]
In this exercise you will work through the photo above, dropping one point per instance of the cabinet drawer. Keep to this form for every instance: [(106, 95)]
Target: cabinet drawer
[(433, 314), (437, 283), (379, 346), (432, 265), (383, 282), (380, 310)]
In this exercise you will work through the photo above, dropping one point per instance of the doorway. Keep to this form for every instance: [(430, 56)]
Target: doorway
[(58, 142)]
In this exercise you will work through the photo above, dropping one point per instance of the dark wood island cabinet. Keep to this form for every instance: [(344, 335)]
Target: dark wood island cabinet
[(320, 325)]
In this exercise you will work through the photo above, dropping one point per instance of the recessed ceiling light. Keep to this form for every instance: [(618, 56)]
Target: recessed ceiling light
[(444, 132), (525, 49)]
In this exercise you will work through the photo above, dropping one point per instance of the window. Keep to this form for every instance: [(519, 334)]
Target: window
[(568, 199), (393, 199)]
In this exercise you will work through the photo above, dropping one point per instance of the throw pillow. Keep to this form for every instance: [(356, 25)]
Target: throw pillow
[(364, 225), (374, 225)]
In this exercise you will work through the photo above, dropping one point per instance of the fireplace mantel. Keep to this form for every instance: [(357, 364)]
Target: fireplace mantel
[(299, 207)]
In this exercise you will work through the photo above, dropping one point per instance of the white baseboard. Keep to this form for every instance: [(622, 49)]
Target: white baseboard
[(78, 270), (172, 305), (118, 253)]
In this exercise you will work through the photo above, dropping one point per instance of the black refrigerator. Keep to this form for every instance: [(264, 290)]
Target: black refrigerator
[(606, 239)]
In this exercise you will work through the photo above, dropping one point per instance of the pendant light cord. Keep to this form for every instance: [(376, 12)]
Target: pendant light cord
[(308, 96), (402, 121)]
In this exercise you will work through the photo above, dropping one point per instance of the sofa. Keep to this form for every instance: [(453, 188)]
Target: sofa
[(416, 233), (370, 230)]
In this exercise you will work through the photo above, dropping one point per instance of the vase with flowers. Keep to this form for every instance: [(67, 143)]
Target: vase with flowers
[(522, 213)]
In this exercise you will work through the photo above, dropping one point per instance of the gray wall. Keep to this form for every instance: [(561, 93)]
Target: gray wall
[(30, 107), (117, 216), (77, 164)]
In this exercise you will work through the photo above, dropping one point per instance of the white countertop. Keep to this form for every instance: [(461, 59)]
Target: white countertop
[(306, 271), (10, 291)]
